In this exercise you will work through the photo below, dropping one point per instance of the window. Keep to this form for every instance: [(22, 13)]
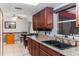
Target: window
[(67, 22)]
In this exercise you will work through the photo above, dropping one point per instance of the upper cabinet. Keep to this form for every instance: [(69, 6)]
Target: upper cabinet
[(43, 20), (66, 15), (77, 15), (34, 22)]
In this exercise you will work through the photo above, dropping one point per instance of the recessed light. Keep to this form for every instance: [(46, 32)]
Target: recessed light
[(18, 8), (14, 18), (34, 4)]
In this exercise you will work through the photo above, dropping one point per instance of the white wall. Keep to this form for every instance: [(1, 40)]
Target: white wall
[(21, 25), (55, 20), (31, 27)]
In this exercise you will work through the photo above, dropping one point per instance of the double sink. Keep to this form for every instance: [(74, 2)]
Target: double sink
[(57, 44)]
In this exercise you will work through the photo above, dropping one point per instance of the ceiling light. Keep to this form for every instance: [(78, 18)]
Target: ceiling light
[(12, 23), (18, 8), (14, 18), (32, 4)]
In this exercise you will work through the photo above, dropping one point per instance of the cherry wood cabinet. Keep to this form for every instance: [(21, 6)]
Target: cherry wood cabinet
[(66, 15), (45, 51), (43, 20), (29, 45), (77, 15), (39, 20), (35, 26), (49, 18), (37, 49), (33, 47)]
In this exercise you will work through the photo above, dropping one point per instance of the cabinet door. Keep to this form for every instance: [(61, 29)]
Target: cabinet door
[(35, 22), (43, 53), (36, 49), (42, 21), (77, 15), (49, 51), (29, 45), (38, 20), (49, 18), (32, 50), (33, 47)]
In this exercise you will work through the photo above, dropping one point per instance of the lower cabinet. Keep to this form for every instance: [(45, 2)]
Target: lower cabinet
[(29, 45), (37, 49), (47, 51), (33, 47), (43, 53)]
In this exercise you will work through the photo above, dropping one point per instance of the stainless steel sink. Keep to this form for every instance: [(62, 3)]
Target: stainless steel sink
[(57, 44)]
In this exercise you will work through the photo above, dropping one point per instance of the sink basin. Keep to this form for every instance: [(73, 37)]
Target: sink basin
[(58, 44), (50, 42)]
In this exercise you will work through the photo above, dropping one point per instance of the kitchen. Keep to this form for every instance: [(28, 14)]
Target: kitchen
[(50, 29)]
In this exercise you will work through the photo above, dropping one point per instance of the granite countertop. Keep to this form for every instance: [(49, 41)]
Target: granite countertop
[(73, 51)]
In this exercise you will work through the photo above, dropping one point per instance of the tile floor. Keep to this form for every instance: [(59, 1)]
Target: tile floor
[(16, 49)]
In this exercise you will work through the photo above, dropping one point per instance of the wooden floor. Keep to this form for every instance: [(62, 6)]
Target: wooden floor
[(16, 49)]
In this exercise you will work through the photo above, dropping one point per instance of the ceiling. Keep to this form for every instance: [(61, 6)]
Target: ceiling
[(26, 9)]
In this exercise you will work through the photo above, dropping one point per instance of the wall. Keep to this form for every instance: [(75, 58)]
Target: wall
[(21, 26), (31, 27), (55, 29), (0, 31)]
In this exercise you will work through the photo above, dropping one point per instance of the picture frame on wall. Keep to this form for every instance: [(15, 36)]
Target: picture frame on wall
[(10, 25)]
